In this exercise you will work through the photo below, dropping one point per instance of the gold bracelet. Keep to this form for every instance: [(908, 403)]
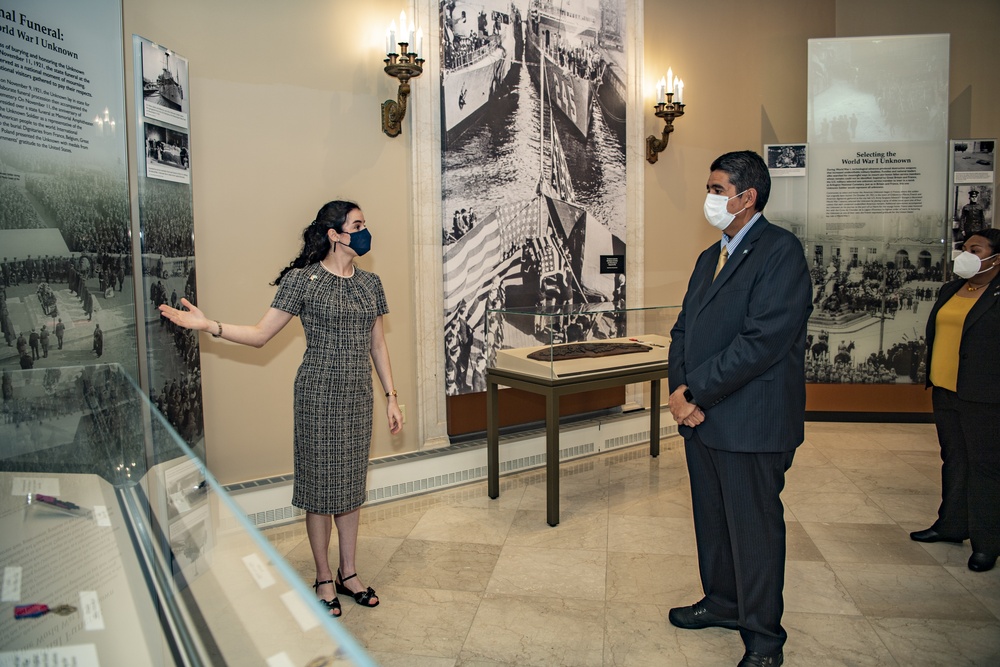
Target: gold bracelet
[(389, 393), (218, 335)]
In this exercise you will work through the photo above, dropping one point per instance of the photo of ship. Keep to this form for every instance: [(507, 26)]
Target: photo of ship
[(164, 81), (566, 36), (165, 87), (481, 46)]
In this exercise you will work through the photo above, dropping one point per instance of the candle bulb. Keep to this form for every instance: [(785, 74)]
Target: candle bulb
[(680, 92), (670, 80), (392, 37), (402, 27), (388, 42), (677, 83), (420, 42), (660, 88)]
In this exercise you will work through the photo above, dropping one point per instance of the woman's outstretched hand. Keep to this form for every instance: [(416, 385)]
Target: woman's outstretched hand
[(190, 318)]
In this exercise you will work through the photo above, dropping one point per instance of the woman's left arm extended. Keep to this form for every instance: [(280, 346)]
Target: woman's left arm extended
[(380, 356)]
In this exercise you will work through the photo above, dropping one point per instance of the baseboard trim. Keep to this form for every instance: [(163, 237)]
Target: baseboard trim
[(267, 502)]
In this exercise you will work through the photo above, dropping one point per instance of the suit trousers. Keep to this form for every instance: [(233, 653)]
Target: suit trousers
[(969, 435), (740, 532)]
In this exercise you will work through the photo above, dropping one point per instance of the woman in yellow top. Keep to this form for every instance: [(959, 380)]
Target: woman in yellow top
[(963, 358)]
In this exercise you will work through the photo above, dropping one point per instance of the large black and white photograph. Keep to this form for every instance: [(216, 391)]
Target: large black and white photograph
[(973, 160), (870, 303), (164, 82), (168, 155), (533, 179)]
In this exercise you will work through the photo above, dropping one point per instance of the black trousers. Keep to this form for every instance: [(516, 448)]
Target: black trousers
[(740, 531), (969, 434)]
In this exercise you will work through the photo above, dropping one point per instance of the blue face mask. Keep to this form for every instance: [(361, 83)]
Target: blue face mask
[(361, 241)]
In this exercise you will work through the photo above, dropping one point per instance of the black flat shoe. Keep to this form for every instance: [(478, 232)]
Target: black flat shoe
[(696, 617), (334, 604), (931, 535), (363, 598), (981, 562)]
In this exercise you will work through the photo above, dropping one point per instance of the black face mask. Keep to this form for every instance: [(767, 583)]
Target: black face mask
[(361, 241)]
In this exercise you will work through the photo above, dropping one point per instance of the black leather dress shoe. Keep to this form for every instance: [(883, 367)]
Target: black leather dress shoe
[(981, 562), (931, 535), (697, 617), (754, 659)]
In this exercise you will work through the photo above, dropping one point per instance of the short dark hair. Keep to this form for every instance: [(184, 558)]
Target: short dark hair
[(992, 237), (746, 170)]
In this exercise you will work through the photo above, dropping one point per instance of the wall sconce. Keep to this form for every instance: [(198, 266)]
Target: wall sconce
[(404, 66), (666, 109)]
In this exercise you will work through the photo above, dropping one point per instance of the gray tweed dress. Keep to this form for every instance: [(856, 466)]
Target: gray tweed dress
[(333, 387)]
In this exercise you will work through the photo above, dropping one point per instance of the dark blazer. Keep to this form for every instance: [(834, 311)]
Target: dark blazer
[(979, 351), (739, 343)]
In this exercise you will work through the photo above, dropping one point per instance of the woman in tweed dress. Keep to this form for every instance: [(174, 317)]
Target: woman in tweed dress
[(341, 309)]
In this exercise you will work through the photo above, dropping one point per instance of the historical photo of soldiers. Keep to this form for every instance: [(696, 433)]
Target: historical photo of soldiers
[(786, 159), (870, 303), (973, 211), (168, 273), (539, 89), (65, 266)]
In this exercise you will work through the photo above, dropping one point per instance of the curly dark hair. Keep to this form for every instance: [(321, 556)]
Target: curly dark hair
[(315, 242)]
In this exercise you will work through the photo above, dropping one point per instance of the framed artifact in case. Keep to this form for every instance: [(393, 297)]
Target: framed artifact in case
[(575, 340)]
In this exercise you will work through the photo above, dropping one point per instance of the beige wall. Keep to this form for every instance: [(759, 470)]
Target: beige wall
[(285, 116)]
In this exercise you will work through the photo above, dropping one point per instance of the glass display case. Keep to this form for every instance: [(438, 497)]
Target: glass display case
[(118, 547), (575, 340)]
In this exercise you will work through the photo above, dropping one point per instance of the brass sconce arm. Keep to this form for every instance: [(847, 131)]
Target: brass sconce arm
[(403, 67), (668, 111)]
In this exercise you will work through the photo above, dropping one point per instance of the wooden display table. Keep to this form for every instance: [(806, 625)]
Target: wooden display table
[(552, 389)]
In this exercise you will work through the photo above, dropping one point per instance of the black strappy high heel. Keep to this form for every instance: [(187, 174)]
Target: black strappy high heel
[(363, 598), (334, 604)]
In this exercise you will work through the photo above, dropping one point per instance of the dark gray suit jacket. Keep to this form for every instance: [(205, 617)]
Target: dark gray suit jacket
[(739, 343)]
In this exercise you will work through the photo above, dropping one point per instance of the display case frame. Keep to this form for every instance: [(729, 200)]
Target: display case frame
[(160, 564)]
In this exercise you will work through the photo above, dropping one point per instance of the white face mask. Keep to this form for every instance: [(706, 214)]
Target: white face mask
[(968, 265), (717, 214)]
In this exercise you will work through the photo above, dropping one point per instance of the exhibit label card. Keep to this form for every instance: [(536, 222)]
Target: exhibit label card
[(90, 609), (22, 486), (83, 655), (11, 584)]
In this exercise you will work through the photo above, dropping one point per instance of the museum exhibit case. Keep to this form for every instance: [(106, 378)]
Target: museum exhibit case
[(562, 350), (119, 547)]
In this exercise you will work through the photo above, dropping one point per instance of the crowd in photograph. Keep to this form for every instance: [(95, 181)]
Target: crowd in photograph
[(89, 207), (104, 413), (15, 209), (872, 287), (169, 221)]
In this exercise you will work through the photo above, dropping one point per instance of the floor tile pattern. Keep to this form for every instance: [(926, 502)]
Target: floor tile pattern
[(466, 581)]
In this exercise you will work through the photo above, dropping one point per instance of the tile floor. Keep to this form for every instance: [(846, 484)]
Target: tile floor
[(473, 582)]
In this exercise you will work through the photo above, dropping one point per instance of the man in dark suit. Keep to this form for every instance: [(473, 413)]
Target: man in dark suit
[(737, 383)]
